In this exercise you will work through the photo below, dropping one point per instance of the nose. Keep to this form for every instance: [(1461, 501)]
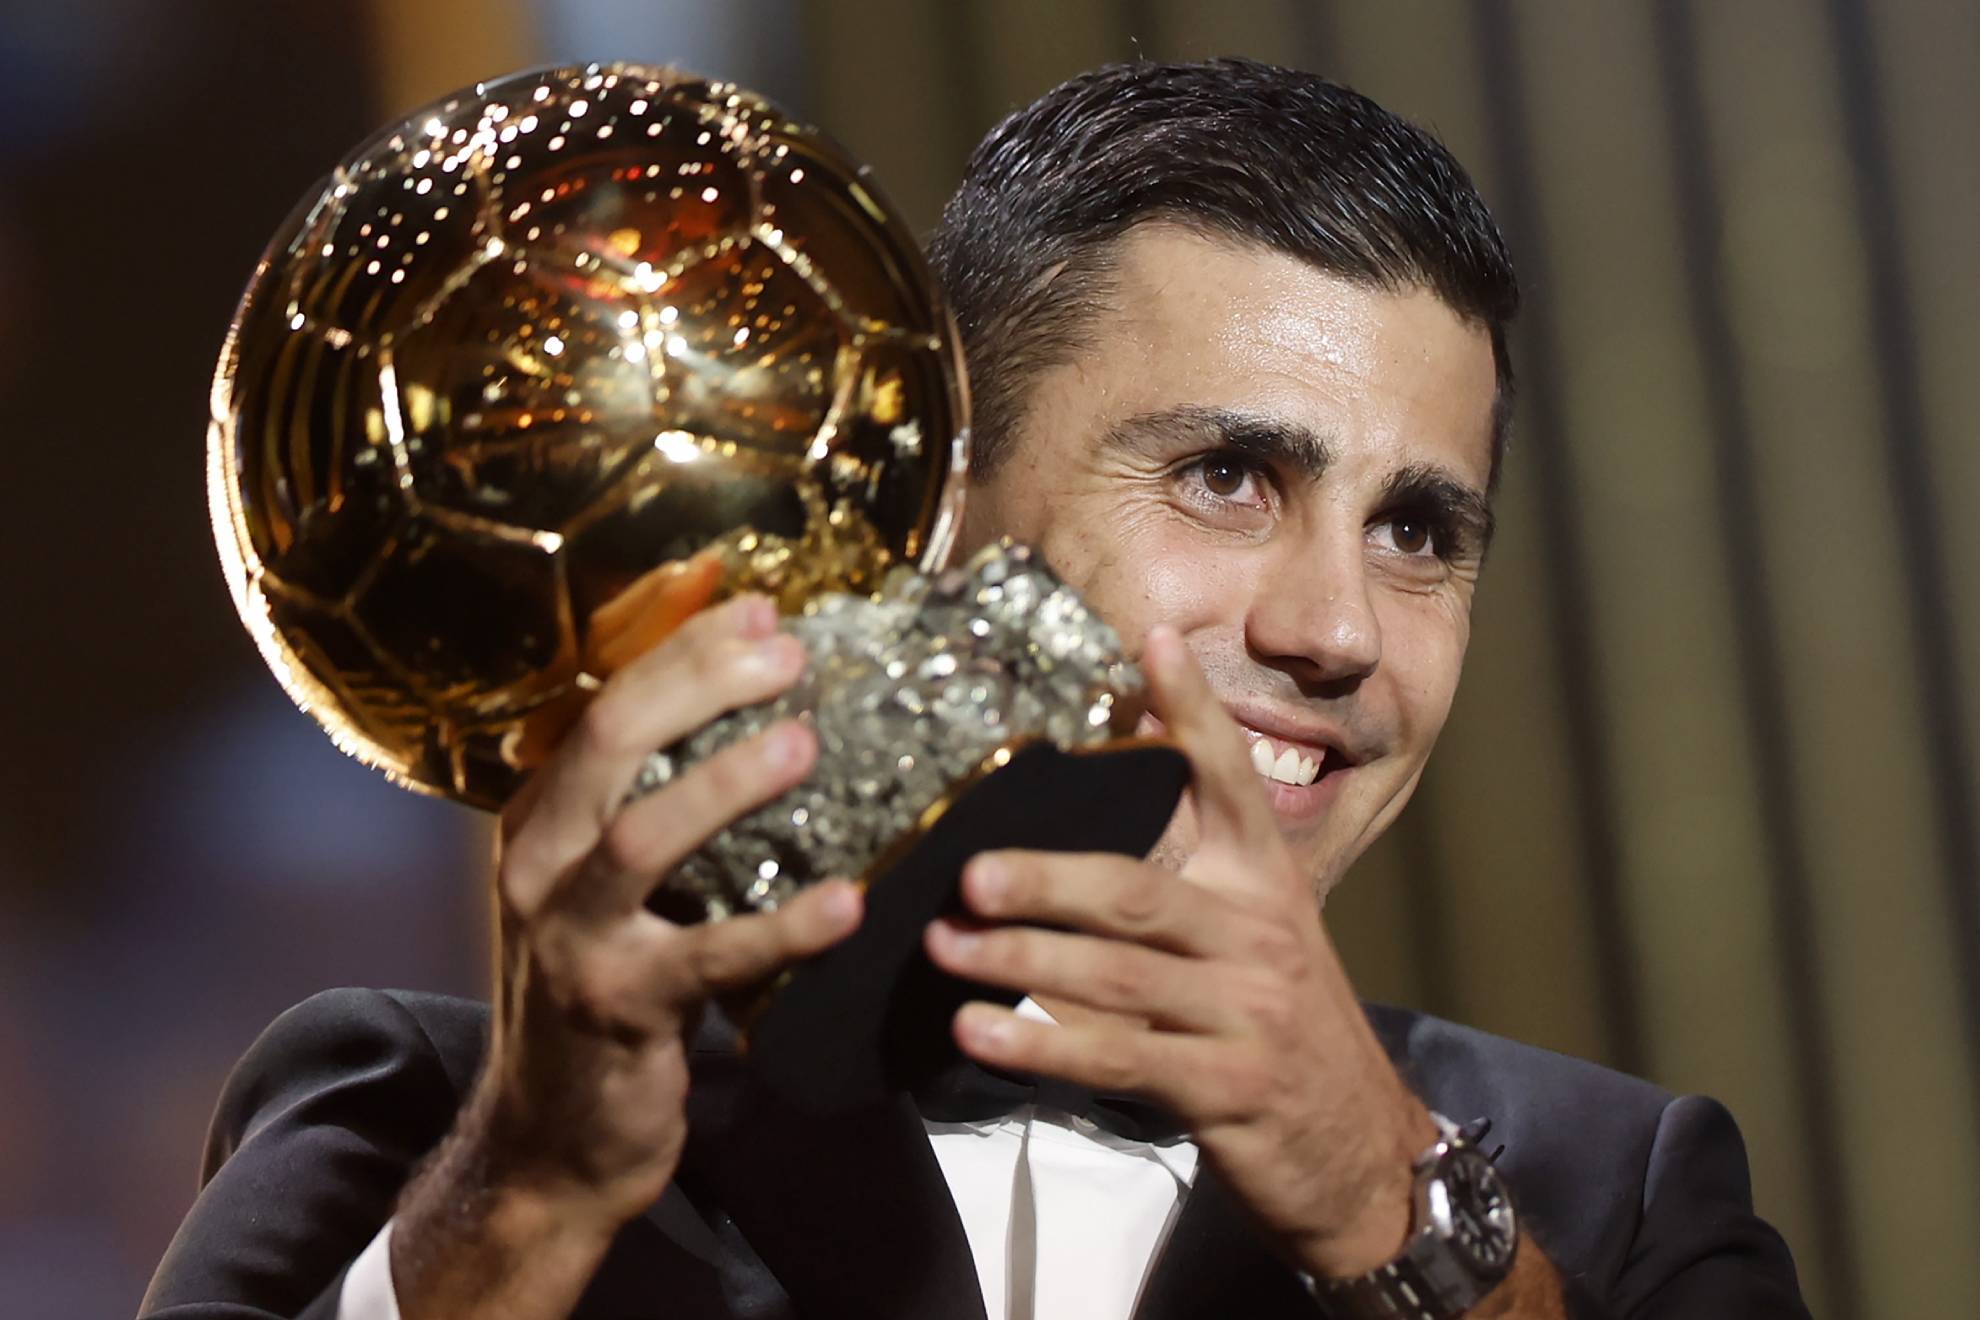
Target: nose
[(1313, 615)]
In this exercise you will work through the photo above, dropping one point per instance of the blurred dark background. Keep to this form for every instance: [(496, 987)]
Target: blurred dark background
[(1707, 810)]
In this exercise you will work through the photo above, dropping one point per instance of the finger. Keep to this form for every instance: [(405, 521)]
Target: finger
[(1106, 894), (1160, 988), (543, 728), (718, 661), (652, 834), (618, 632), (650, 610), (723, 956), (1204, 1080), (745, 616), (1228, 800)]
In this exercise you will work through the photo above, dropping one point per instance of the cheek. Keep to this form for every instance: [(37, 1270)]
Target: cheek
[(1423, 649), (1140, 570)]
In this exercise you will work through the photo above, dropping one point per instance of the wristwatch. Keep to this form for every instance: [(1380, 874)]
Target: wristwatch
[(1463, 1235)]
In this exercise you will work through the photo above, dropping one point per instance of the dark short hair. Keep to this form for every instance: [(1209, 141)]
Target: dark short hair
[(1232, 148)]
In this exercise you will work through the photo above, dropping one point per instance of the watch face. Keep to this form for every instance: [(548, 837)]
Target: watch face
[(1470, 1209)]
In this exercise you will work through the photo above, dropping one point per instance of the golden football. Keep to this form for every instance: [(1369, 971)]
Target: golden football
[(527, 354)]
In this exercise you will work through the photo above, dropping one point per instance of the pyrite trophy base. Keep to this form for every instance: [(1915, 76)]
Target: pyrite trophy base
[(871, 1016)]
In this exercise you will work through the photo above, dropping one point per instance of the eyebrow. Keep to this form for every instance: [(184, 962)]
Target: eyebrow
[(1264, 440), (1433, 489)]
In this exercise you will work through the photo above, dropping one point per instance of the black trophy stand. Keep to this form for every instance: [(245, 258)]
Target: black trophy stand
[(871, 1016)]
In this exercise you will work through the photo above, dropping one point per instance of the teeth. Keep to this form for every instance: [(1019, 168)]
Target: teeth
[(1289, 767)]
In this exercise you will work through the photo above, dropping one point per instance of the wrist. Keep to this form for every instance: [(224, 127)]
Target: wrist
[(526, 1194), (549, 1158), (1461, 1244), (1383, 1213), (470, 1240), (562, 1216)]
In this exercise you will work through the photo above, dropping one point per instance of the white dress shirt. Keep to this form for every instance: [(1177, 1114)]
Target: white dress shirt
[(1063, 1218)]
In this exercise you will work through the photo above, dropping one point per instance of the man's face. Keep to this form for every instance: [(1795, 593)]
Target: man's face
[(1290, 469)]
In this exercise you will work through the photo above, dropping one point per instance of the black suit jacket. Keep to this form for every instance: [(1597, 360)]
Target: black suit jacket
[(1640, 1198)]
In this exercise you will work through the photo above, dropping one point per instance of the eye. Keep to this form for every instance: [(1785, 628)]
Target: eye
[(1409, 535), (1229, 479), (1412, 538), (1223, 476)]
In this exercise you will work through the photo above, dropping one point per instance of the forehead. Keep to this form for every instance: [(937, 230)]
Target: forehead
[(1385, 377)]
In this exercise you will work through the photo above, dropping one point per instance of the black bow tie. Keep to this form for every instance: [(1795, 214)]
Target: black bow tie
[(968, 1092)]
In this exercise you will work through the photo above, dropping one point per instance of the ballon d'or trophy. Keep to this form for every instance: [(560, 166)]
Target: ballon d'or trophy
[(564, 357)]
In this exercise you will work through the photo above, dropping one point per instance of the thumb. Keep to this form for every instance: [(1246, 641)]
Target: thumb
[(1230, 805)]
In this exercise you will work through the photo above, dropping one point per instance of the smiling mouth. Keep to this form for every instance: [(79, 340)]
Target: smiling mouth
[(1289, 763), (1280, 761)]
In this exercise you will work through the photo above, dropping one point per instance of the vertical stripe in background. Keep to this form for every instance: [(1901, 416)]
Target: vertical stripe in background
[(1546, 447), (1802, 304), (1798, 1166), (1920, 504), (1924, 55)]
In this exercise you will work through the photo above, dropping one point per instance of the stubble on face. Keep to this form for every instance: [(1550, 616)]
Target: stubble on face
[(1252, 450)]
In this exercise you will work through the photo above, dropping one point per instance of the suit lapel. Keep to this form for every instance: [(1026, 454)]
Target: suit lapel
[(851, 1214), (1217, 1263)]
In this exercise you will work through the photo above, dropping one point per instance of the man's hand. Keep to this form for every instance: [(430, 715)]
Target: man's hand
[(576, 1123), (1215, 992)]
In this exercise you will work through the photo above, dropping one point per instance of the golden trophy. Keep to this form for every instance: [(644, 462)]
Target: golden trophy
[(571, 353)]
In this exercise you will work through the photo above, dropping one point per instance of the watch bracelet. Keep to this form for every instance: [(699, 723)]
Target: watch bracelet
[(1397, 1289), (1407, 1287)]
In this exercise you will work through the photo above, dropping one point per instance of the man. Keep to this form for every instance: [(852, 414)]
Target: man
[(1237, 340)]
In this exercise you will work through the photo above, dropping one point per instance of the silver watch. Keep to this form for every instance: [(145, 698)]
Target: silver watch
[(1463, 1235)]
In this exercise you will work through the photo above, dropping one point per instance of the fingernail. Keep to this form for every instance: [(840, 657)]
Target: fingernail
[(842, 903), (777, 653), (983, 1025), (787, 745), (755, 615), (962, 941), (988, 878)]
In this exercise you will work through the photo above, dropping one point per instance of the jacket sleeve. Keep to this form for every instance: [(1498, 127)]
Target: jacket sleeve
[(1700, 1252), (318, 1127)]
